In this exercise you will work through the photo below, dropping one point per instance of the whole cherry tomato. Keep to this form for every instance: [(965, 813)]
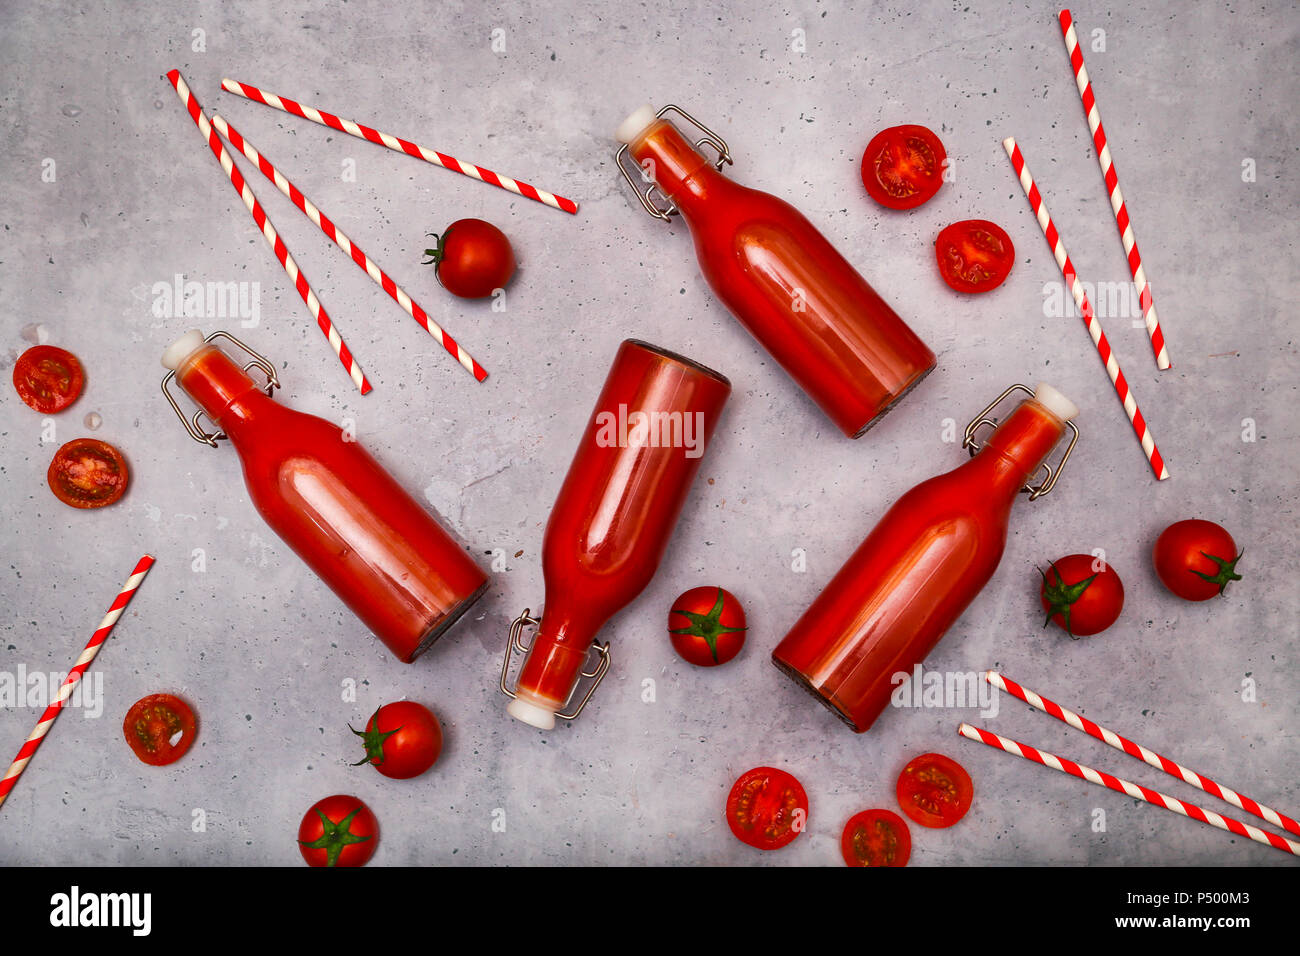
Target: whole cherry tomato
[(707, 625), (402, 740), (473, 258), (1196, 559), (876, 838), (1081, 594), (48, 379), (338, 831), (903, 166)]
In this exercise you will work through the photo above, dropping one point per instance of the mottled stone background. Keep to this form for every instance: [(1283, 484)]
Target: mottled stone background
[(1189, 94)]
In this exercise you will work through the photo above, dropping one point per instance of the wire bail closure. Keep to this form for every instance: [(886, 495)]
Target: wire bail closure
[(1049, 481), (515, 643), (711, 138), (192, 425)]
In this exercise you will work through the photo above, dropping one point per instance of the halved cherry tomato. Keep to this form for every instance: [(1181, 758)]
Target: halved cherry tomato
[(473, 258), (87, 473), (876, 838), (767, 808), (1082, 594), (935, 791), (974, 255), (707, 625), (402, 739), (48, 379), (160, 728), (338, 831), (903, 166), (1196, 559)]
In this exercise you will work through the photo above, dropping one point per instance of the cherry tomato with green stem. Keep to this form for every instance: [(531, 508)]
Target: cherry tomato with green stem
[(473, 258), (1081, 594), (707, 626), (1196, 559), (338, 831)]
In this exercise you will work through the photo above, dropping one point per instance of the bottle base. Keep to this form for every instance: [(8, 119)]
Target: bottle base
[(821, 698), (446, 621), (889, 406)]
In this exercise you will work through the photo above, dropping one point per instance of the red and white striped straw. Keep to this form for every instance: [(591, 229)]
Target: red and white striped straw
[(398, 144), (268, 231), (33, 742), (1137, 791), (1112, 187), (1142, 753), (1085, 310), (327, 226)]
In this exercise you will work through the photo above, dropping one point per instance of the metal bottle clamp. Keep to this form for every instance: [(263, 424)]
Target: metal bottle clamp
[(982, 418), (515, 643), (710, 137), (192, 424)]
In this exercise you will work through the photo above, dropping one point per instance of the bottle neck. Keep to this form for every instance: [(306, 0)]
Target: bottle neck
[(222, 389), (1018, 447), (676, 167)]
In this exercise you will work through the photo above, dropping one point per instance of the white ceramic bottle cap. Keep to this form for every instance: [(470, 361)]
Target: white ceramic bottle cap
[(1055, 402), (182, 348), (543, 718), (631, 127)]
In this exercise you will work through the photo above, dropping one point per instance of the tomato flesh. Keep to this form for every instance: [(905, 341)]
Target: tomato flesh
[(1081, 594), (903, 166), (767, 808), (974, 255), (48, 379), (1196, 559), (935, 790), (87, 473), (876, 838), (707, 626), (402, 740), (160, 728)]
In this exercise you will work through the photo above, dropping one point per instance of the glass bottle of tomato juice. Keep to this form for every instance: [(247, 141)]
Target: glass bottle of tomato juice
[(612, 520), (931, 553), (381, 552), (802, 300)]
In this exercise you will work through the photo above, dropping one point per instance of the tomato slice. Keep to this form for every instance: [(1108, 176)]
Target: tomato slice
[(974, 255), (767, 808), (159, 728), (48, 379), (902, 167), (935, 790), (88, 473), (876, 838)]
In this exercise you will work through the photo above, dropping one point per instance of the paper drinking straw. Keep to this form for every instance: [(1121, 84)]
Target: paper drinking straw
[(268, 232), (1112, 187), (1134, 790), (327, 226), (1085, 309), (33, 742), (1142, 753), (287, 105)]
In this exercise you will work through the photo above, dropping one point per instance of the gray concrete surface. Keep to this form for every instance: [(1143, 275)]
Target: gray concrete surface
[(1189, 94)]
